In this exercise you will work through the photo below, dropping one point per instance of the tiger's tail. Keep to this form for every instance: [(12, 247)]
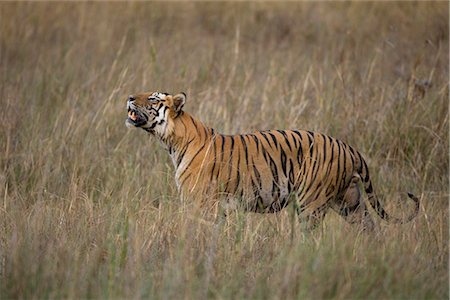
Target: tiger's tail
[(375, 203)]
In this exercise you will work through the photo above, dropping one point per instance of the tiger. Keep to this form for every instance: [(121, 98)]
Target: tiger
[(262, 171)]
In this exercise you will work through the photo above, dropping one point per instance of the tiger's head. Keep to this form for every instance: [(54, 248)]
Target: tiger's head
[(154, 112)]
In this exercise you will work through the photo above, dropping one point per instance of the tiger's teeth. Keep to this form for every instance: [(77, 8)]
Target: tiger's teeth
[(132, 115)]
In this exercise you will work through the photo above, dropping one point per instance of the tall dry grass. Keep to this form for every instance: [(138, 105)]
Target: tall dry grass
[(89, 209)]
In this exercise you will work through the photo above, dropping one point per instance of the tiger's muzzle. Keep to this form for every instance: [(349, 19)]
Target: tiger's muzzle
[(136, 118)]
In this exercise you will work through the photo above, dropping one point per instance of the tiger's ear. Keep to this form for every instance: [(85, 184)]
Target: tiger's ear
[(178, 102)]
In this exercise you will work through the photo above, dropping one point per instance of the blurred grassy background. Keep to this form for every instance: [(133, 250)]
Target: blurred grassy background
[(89, 208)]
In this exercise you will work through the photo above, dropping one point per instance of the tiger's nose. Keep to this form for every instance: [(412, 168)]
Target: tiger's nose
[(131, 98)]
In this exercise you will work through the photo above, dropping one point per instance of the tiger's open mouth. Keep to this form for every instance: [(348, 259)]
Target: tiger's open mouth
[(136, 118)]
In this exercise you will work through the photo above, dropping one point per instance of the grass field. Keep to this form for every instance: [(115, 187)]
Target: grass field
[(89, 208)]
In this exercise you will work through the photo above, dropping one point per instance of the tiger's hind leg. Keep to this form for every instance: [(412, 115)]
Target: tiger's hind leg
[(314, 219), (352, 208), (312, 213)]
